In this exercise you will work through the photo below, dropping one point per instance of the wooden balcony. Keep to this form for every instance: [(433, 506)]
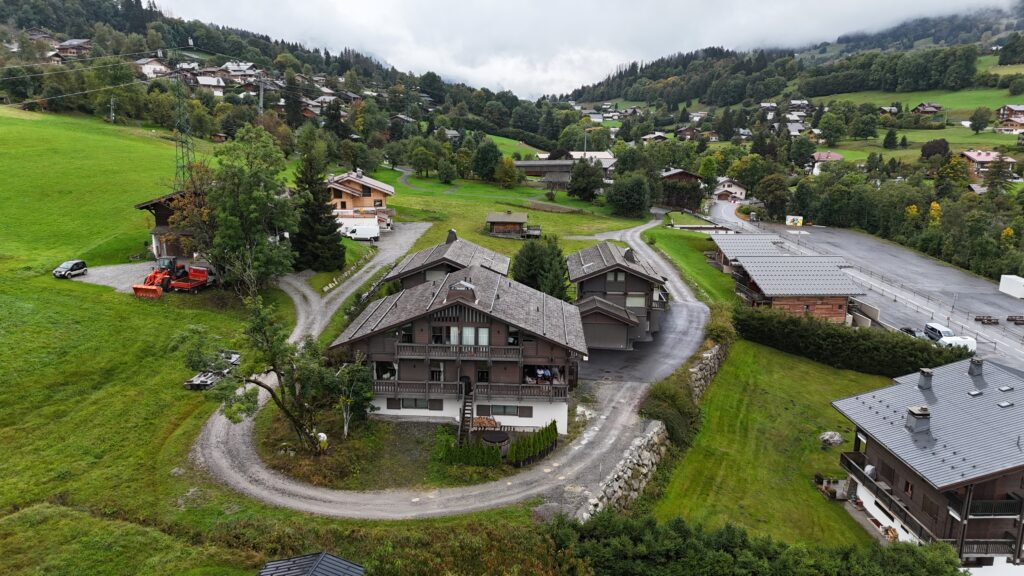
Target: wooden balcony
[(987, 548), (411, 389), (1008, 508), (458, 352), (854, 463), (553, 392), (751, 296)]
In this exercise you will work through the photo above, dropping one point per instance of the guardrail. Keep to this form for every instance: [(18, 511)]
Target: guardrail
[(412, 388), (455, 351), (894, 506), (549, 391)]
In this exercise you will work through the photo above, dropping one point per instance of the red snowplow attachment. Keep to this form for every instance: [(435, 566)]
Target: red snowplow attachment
[(151, 292)]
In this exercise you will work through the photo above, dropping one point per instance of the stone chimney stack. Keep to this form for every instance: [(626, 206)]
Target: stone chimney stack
[(918, 419), (974, 369), (925, 381)]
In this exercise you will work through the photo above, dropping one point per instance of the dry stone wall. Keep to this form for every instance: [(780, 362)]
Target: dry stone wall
[(704, 369), (636, 468)]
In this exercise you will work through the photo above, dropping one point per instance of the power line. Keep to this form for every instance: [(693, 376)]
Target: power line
[(83, 92), (96, 57), (66, 71)]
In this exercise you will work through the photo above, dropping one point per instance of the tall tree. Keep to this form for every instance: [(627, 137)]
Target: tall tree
[(630, 195), (293, 102), (486, 159), (980, 119), (833, 128), (890, 141), (316, 241), (252, 213), (540, 264), (586, 178)]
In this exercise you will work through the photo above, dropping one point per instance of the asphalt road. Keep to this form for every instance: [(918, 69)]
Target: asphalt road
[(619, 381)]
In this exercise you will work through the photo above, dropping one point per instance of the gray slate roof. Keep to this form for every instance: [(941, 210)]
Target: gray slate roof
[(319, 564), (597, 304), (970, 437), (508, 217), (799, 275), (605, 256), (493, 294), (459, 253), (736, 245)]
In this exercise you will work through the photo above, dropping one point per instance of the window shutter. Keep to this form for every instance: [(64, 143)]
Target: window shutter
[(526, 411), (435, 404), (394, 404), (483, 409)]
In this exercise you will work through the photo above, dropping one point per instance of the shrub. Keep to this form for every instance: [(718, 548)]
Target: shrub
[(671, 401), (864, 350), (719, 327), (448, 451), (531, 447)]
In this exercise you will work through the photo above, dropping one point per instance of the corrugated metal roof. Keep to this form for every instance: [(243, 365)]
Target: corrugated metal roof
[(458, 253), (736, 245), (607, 256), (507, 300), (319, 564), (799, 275), (970, 436)]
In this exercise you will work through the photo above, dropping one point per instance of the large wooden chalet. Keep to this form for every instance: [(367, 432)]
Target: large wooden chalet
[(812, 285), (164, 241), (437, 262), (355, 195), (621, 297), (471, 345), (938, 457)]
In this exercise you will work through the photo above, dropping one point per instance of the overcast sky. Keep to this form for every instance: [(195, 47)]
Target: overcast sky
[(536, 47)]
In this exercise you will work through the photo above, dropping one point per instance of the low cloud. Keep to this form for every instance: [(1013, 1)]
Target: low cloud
[(534, 47)]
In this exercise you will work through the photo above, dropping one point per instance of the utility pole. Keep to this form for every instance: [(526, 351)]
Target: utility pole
[(260, 108), (112, 100)]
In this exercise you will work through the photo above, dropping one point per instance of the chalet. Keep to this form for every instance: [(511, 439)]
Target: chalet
[(729, 189), (54, 58), (212, 83), (654, 137), (710, 136), (219, 138), (403, 119), (318, 564), (1009, 110), (152, 67), (937, 457), (732, 246), (744, 133), (819, 159), (434, 263), (41, 35), (163, 240), (813, 135), (813, 285), (979, 161), (888, 110), (606, 157), (927, 109), (472, 347), (678, 175), (768, 106), (511, 224), (687, 133), (452, 136), (355, 195), (799, 106), (75, 48), (978, 189), (621, 297), (241, 72), (556, 180), (794, 129), (1011, 125), (544, 167)]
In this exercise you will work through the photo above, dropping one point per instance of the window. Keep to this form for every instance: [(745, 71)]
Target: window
[(636, 300), (436, 371), (840, 306), (930, 507), (444, 335), (337, 195), (344, 205), (499, 410), (908, 488), (483, 375), (807, 308), (414, 404), (378, 203), (405, 334), (886, 471), (366, 191), (616, 276), (513, 336), (385, 371), (468, 336)]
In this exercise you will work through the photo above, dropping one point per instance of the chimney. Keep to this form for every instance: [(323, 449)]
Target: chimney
[(509, 212), (925, 382), (629, 255), (452, 236), (918, 419), (359, 172), (974, 368)]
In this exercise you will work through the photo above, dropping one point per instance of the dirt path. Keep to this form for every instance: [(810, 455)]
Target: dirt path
[(226, 450)]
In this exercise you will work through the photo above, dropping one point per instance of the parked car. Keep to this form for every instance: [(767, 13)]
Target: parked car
[(937, 331), (914, 332), (364, 232), (965, 341), (70, 269)]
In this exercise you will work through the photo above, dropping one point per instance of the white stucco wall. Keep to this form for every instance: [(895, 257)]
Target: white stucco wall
[(869, 505), (451, 409), (543, 413)]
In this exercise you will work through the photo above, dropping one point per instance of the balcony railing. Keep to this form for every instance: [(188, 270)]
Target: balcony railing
[(397, 388), (853, 462), (458, 351), (548, 391), (986, 548), (750, 295), (989, 508)]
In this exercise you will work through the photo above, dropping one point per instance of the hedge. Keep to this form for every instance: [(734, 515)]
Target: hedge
[(477, 123), (469, 454), (671, 401), (531, 447), (862, 349)]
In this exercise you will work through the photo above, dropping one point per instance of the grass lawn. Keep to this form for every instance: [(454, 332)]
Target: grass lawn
[(96, 430), (378, 455), (353, 252), (686, 219), (754, 460), (466, 207), (509, 146), (959, 139), (686, 249), (959, 105)]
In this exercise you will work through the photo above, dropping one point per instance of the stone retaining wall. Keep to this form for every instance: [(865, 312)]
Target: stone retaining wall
[(626, 482), (704, 368)]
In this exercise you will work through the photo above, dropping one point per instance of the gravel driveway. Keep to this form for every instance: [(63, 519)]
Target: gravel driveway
[(120, 277)]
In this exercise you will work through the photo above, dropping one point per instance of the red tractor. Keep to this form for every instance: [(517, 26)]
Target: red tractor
[(167, 270)]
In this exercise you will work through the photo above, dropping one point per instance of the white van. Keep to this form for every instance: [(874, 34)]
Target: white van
[(364, 232), (937, 331)]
